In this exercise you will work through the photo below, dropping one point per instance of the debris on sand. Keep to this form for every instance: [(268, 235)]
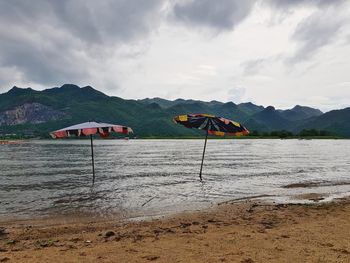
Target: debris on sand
[(247, 260), (45, 243), (316, 197), (109, 233), (3, 232), (10, 241), (151, 257)]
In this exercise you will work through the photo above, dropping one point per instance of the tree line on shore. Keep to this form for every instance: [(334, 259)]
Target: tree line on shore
[(311, 133), (288, 134)]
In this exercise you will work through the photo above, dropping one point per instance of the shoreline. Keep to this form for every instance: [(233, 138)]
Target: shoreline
[(305, 198), (5, 141), (241, 231), (310, 196)]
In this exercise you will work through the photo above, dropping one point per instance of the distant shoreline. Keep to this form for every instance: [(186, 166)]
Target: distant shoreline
[(12, 141), (15, 140), (250, 138)]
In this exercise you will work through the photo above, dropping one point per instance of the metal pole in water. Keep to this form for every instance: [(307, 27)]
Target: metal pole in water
[(205, 145), (92, 161)]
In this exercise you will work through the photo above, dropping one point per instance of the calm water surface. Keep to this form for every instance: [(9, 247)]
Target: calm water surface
[(138, 178)]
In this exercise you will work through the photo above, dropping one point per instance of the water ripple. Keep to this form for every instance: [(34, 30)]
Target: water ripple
[(42, 178)]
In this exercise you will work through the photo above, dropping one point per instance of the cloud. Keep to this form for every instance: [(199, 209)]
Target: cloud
[(236, 94), (51, 42), (287, 4), (254, 66), (41, 57), (221, 15), (316, 31), (135, 48), (225, 15), (90, 21), (251, 67)]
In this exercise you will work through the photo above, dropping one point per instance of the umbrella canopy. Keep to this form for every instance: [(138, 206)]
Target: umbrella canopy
[(88, 129), (213, 125)]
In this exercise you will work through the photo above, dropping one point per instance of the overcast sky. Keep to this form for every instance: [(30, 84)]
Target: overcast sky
[(269, 52)]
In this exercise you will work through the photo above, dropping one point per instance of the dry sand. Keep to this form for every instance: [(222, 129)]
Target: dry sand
[(249, 231)]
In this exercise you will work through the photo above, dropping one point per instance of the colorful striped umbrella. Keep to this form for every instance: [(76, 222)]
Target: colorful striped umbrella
[(88, 129), (213, 125)]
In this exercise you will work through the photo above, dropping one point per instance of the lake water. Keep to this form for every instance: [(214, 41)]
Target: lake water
[(139, 178)]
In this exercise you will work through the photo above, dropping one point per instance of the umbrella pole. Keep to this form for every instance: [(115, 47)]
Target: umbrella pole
[(205, 145), (92, 160)]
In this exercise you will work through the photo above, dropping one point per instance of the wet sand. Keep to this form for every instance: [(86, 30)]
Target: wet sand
[(248, 231)]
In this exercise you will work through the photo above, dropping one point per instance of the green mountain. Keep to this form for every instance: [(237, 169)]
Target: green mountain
[(335, 121), (268, 119), (36, 113), (250, 108), (170, 103), (300, 113)]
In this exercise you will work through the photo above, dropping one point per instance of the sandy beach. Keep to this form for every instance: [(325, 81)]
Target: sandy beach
[(247, 231)]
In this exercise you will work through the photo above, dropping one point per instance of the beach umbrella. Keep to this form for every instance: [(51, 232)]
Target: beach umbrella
[(213, 125), (88, 129)]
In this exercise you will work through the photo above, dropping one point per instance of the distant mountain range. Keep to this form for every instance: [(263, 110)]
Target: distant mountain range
[(31, 112)]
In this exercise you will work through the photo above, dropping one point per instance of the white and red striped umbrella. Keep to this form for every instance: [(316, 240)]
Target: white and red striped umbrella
[(88, 129), (91, 128)]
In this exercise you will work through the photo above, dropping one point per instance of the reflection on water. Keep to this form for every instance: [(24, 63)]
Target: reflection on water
[(150, 177)]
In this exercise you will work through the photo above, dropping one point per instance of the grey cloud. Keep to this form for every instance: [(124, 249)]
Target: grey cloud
[(218, 15), (224, 15), (284, 8), (319, 29), (39, 61), (253, 66), (286, 4), (236, 94), (50, 42), (315, 32), (89, 20), (108, 20)]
